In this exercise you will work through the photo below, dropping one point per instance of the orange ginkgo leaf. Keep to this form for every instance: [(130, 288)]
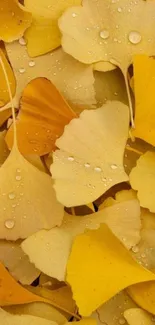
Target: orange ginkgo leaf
[(4, 95), (42, 118), (12, 293)]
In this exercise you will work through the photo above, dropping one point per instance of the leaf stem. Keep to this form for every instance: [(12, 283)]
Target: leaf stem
[(129, 100)]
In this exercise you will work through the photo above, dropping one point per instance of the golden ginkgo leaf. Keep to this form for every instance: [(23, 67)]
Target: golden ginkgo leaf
[(137, 316), (14, 20), (142, 179), (18, 264), (4, 95), (115, 271), (108, 31), (90, 156), (4, 151), (73, 79), (41, 119), (49, 250), (9, 319), (27, 199), (44, 35)]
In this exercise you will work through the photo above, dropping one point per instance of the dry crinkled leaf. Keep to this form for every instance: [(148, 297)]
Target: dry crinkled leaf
[(12, 293), (49, 250), (14, 20), (4, 96), (9, 319), (18, 264), (109, 31), (44, 35), (137, 316), (142, 179), (73, 79), (41, 119), (145, 98), (39, 309), (27, 199), (87, 164), (110, 86), (116, 271), (111, 313)]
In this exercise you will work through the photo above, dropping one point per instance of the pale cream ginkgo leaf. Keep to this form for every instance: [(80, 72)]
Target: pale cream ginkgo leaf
[(90, 156)]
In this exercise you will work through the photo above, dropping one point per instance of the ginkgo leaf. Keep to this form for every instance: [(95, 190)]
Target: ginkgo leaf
[(137, 316), (12, 293), (39, 309), (9, 319), (41, 119), (74, 80), (145, 98), (53, 246), (27, 199), (142, 179), (111, 312), (110, 86), (87, 165), (18, 264), (121, 196), (104, 66), (5, 115), (108, 31), (44, 35), (115, 271), (4, 152), (4, 96), (14, 20)]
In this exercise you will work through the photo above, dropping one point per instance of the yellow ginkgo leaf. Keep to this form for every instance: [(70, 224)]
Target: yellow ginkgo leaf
[(111, 312), (110, 85), (9, 319), (49, 250), (14, 20), (4, 151), (87, 164), (145, 98), (27, 199), (142, 179), (104, 66), (39, 309), (44, 35), (73, 79), (4, 96), (108, 31), (137, 316), (115, 271), (18, 264)]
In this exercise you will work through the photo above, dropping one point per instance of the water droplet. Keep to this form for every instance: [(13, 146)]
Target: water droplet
[(114, 166), (143, 255), (87, 165), (9, 224), (22, 41), (71, 158), (18, 177), (11, 196), (104, 34), (98, 169), (18, 170), (135, 249), (119, 9), (22, 70), (13, 205), (122, 321), (134, 37), (31, 63), (74, 14)]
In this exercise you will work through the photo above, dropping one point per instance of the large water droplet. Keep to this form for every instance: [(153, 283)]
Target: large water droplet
[(134, 37), (104, 34), (31, 63), (9, 224), (22, 70), (11, 196)]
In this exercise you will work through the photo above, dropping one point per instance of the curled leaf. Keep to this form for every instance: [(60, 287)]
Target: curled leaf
[(86, 165), (44, 35), (27, 199), (74, 80), (4, 95), (116, 271), (18, 264), (142, 179), (49, 250), (41, 119), (14, 20), (137, 316)]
